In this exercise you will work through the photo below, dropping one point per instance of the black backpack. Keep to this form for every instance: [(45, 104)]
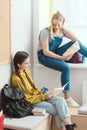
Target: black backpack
[(13, 103)]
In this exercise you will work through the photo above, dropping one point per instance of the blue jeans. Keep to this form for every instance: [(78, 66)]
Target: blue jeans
[(61, 65), (55, 106)]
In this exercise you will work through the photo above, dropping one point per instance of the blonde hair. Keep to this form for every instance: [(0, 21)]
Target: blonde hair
[(57, 16)]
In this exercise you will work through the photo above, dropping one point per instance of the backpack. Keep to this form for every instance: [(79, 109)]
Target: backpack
[(76, 58), (13, 103)]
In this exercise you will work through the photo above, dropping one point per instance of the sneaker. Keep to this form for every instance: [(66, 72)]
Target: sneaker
[(71, 103)]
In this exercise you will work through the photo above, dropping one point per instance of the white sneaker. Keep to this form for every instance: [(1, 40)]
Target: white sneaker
[(72, 103)]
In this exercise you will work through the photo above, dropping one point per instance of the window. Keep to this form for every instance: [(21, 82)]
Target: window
[(75, 12)]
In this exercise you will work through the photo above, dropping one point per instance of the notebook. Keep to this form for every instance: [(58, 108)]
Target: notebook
[(58, 90), (83, 109)]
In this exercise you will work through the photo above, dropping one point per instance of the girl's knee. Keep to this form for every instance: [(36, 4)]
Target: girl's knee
[(67, 68), (59, 99)]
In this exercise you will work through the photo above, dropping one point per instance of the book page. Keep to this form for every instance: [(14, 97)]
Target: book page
[(57, 91)]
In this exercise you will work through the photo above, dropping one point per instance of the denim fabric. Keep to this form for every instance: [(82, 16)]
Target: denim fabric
[(55, 106), (60, 65), (55, 43)]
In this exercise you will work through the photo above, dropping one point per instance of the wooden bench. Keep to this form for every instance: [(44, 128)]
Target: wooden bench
[(79, 119)]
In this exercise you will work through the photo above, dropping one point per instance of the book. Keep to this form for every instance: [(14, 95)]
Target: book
[(57, 91), (72, 49), (38, 114), (39, 111)]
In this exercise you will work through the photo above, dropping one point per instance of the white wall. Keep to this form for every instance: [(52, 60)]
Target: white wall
[(44, 17), (51, 78), (21, 34)]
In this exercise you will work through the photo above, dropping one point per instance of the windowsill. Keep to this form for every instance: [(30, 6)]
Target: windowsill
[(77, 66)]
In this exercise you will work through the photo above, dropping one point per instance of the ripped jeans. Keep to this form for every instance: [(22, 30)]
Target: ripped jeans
[(55, 106)]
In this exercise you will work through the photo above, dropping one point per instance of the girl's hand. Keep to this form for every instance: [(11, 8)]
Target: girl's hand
[(66, 58), (49, 94)]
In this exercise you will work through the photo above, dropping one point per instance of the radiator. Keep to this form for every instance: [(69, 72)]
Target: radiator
[(84, 92)]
